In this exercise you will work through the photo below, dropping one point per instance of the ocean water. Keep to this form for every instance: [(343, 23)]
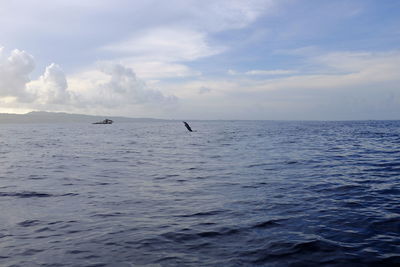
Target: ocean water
[(233, 193)]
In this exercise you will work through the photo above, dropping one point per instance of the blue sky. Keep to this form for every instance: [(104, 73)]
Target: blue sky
[(256, 59)]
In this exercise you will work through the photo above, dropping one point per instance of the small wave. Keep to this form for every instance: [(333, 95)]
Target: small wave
[(55, 222), (268, 224), (342, 188), (385, 169), (289, 251), (391, 225), (24, 194), (208, 234), (36, 177), (168, 258), (4, 235), (390, 191), (29, 223), (171, 175), (258, 165), (100, 183), (385, 164), (106, 215), (207, 213), (77, 251), (353, 205), (178, 237), (96, 265), (110, 160), (31, 252), (250, 186), (33, 194), (44, 229), (162, 177), (188, 235), (69, 194)]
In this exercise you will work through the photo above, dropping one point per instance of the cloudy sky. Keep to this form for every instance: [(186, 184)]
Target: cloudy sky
[(200, 59)]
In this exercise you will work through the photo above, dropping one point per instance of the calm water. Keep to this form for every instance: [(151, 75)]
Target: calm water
[(231, 194)]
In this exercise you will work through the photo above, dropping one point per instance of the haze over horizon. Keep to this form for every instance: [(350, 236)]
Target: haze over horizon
[(256, 59)]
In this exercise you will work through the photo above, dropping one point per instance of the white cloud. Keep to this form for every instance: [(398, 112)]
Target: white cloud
[(209, 15), (232, 72), (51, 87), (346, 85), (270, 72), (380, 65), (115, 85), (17, 87), (160, 52), (164, 37), (112, 86), (123, 82), (14, 74), (219, 15), (165, 44), (159, 69), (337, 70), (263, 72), (192, 88)]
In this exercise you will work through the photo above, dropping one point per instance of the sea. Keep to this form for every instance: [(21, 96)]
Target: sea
[(230, 193)]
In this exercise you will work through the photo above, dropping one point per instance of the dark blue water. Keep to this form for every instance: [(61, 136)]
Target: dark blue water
[(231, 194)]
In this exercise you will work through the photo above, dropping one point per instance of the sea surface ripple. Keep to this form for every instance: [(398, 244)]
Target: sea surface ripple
[(233, 193)]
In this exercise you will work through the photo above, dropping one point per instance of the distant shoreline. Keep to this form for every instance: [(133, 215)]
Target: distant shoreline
[(62, 117)]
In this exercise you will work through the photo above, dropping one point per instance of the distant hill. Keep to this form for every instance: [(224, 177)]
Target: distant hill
[(61, 117)]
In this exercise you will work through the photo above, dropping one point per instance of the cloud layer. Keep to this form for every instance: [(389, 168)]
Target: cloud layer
[(166, 44), (117, 87), (264, 59), (342, 85), (122, 88)]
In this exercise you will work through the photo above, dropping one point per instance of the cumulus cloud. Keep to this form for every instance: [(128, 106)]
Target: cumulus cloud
[(111, 86), (15, 81), (115, 85), (51, 87), (124, 83), (14, 74)]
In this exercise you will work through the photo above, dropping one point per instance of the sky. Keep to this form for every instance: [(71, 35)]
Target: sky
[(188, 59)]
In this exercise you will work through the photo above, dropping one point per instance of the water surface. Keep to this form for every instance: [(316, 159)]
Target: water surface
[(234, 193)]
